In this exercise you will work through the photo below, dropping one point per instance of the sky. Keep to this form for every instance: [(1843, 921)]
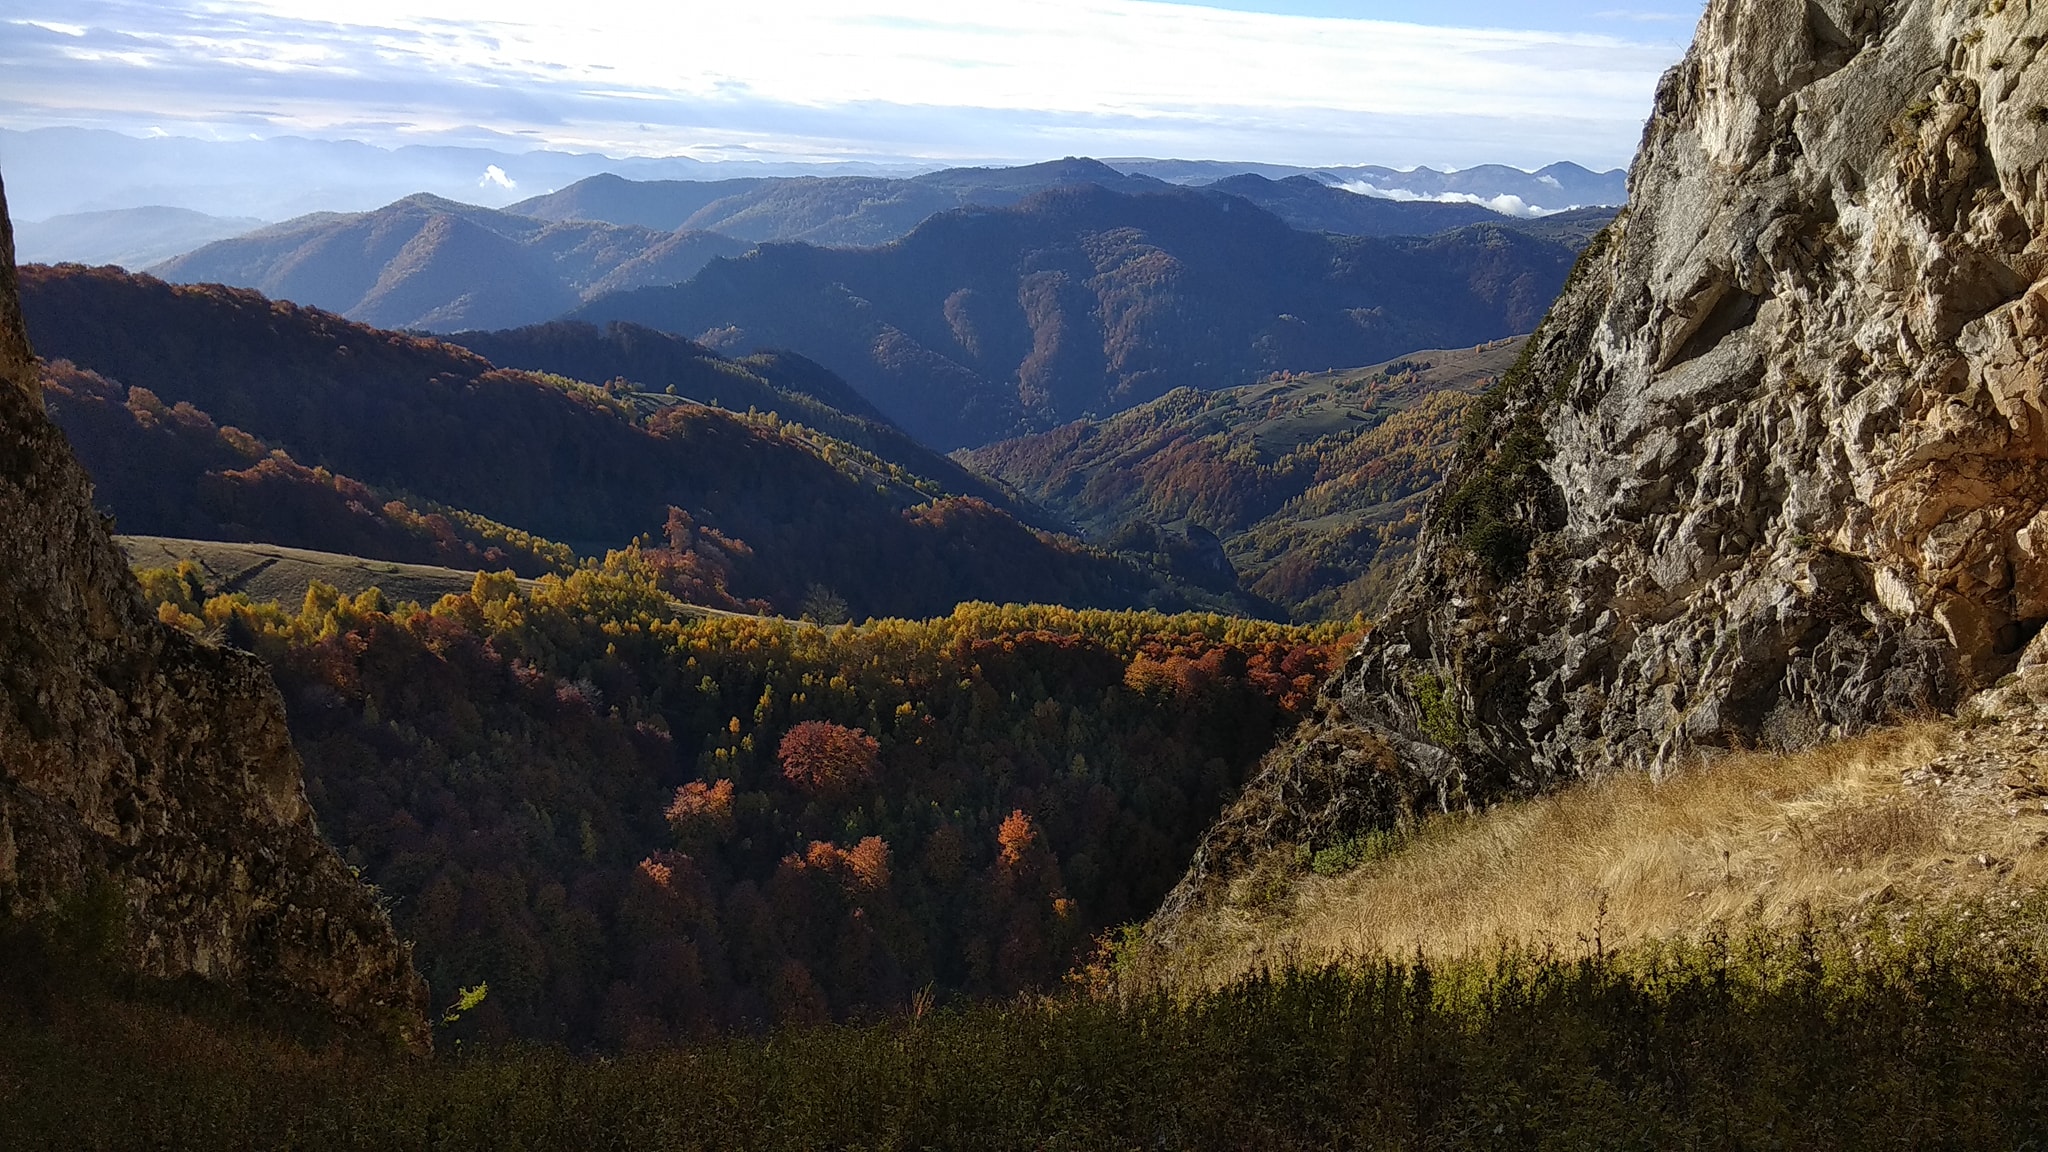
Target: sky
[(1449, 83)]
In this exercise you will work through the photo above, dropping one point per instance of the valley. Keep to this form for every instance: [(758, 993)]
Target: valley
[(983, 323), (211, 413), (797, 643), (1314, 484)]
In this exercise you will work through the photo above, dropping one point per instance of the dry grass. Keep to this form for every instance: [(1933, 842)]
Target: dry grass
[(1742, 841)]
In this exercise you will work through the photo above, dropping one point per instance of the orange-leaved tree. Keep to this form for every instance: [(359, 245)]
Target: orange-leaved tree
[(828, 760)]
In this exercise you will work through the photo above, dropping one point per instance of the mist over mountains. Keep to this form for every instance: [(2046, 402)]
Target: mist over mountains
[(130, 237), (64, 171), (430, 263), (59, 171)]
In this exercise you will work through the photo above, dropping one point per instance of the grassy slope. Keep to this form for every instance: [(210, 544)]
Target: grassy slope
[(1935, 815), (270, 572)]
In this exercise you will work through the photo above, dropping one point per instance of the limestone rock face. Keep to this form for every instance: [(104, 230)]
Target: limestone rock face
[(131, 752), (1776, 466)]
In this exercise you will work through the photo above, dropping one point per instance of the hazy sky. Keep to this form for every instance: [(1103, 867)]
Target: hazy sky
[(1443, 82)]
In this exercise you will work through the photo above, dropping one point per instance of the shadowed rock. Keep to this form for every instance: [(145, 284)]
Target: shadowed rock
[(132, 753)]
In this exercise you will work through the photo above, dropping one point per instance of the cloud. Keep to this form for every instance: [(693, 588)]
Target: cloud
[(494, 175), (1506, 205), (1024, 79)]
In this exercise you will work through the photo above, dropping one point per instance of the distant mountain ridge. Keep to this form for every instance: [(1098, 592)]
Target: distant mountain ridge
[(861, 211), (986, 322), (63, 171), (848, 211), (429, 263)]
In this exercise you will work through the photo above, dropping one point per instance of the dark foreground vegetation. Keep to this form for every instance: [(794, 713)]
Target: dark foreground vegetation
[(1925, 1034)]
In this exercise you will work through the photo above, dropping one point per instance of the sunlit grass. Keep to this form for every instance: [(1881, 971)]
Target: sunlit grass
[(1749, 839)]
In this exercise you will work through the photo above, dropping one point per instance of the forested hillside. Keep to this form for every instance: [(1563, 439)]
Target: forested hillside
[(655, 364), (986, 322), (639, 825), (1315, 484), (751, 510), (170, 470), (428, 263)]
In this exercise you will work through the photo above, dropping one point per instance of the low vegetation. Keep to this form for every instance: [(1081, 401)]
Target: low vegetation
[(1855, 832), (1843, 948), (1924, 1034)]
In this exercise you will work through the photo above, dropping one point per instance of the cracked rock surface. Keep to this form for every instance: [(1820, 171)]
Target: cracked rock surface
[(1775, 468)]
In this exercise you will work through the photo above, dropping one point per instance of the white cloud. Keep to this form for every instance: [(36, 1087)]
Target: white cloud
[(1506, 205), (779, 76), (496, 175), (1084, 56)]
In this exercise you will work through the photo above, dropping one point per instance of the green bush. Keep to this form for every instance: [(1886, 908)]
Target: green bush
[(1353, 851)]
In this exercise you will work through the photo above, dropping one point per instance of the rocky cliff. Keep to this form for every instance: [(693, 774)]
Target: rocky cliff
[(1772, 469), (133, 754)]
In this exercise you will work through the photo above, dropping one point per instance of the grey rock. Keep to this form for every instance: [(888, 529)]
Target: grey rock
[(1775, 468)]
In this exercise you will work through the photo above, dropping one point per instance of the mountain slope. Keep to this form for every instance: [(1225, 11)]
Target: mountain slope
[(170, 470), (429, 263), (653, 362), (985, 322), (608, 198), (1768, 472), (846, 211), (749, 508), (1313, 483), (134, 757)]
